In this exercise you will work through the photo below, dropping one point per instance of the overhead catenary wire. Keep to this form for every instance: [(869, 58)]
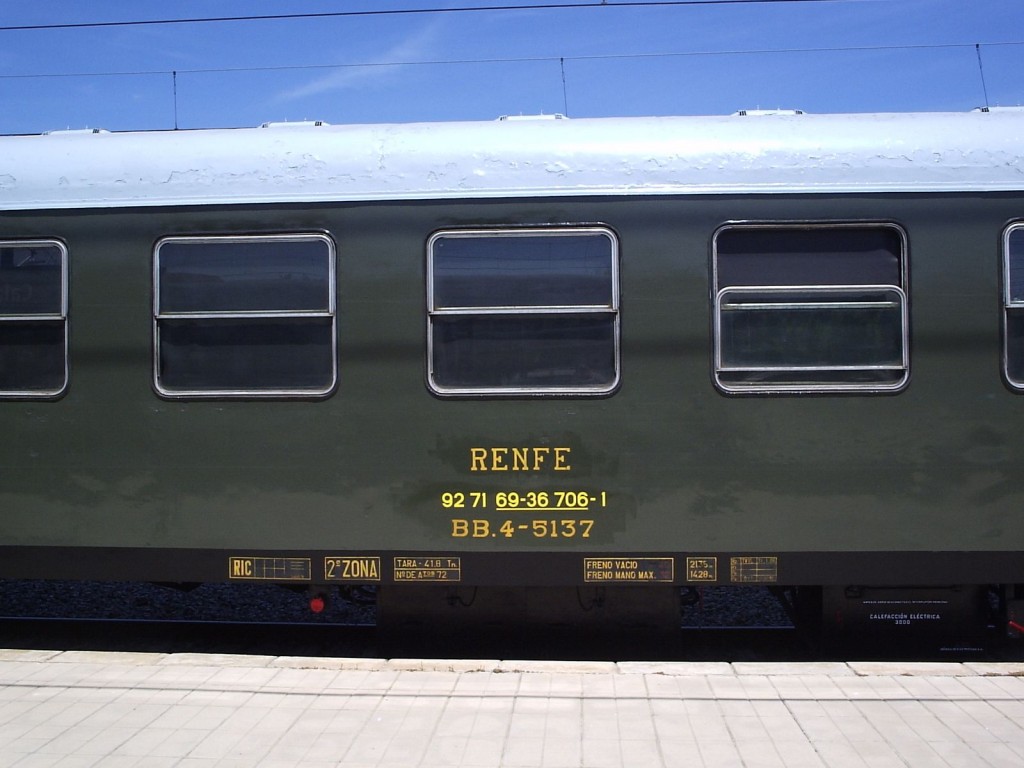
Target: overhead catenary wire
[(562, 61), (511, 60), (401, 12)]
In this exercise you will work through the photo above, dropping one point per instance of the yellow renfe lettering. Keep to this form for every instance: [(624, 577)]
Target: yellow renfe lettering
[(498, 456), (539, 456), (477, 459), (561, 457), (519, 459)]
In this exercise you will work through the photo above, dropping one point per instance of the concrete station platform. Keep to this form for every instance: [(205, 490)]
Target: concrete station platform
[(78, 709)]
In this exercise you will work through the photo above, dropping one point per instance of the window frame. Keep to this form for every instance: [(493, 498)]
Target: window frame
[(1009, 305), (61, 316), (822, 386), (251, 393), (613, 308)]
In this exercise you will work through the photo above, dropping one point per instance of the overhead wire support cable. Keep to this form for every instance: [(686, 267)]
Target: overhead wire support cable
[(565, 93), (981, 70)]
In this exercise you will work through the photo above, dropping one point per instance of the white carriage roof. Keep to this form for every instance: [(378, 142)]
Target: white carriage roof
[(926, 152)]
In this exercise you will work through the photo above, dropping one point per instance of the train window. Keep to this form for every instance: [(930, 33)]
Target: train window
[(250, 316), (33, 318), (523, 312), (810, 308), (1013, 305)]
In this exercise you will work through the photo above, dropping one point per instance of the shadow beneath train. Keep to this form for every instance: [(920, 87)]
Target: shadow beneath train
[(716, 624)]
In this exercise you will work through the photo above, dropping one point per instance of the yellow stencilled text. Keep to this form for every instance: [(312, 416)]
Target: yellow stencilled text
[(520, 459), (352, 568)]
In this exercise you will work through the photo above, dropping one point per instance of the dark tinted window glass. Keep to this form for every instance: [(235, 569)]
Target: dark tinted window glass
[(32, 356), (246, 354), (524, 311), (524, 351), (244, 276), (854, 256), (1013, 311), (823, 333), (795, 311), (522, 270), (1015, 347), (31, 279), (267, 316), (1015, 264), (33, 319)]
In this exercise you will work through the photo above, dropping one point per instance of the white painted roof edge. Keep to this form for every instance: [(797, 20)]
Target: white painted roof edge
[(774, 153)]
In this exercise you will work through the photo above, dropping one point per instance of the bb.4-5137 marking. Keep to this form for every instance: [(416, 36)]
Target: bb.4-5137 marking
[(544, 528)]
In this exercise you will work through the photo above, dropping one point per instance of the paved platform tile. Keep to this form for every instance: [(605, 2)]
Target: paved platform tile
[(114, 709)]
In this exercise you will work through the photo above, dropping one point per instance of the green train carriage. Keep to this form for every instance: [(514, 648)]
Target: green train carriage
[(538, 359)]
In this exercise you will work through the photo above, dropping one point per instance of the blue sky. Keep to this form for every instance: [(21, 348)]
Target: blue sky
[(894, 55)]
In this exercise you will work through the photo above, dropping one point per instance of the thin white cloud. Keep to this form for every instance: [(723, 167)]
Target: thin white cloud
[(383, 67)]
